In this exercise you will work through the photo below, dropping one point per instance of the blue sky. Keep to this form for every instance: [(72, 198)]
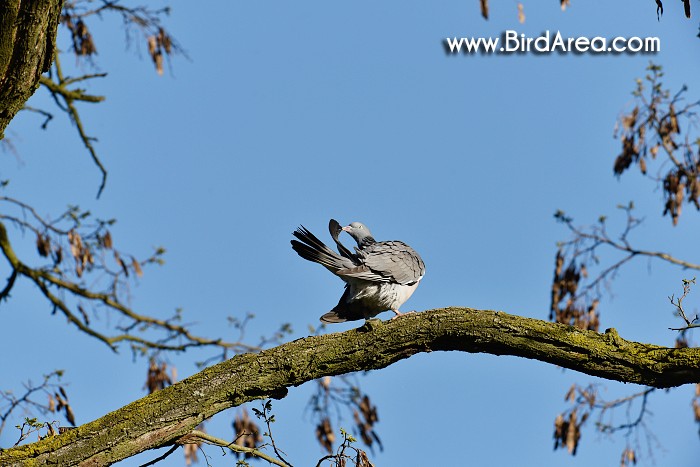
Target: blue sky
[(291, 113)]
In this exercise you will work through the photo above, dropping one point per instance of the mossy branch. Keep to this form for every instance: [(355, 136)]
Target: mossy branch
[(165, 417)]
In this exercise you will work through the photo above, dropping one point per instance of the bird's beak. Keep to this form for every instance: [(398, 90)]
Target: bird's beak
[(346, 228)]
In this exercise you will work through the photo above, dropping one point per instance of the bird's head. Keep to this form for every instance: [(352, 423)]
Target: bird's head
[(359, 232)]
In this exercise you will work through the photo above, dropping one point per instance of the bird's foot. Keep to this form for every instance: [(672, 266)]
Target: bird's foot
[(398, 313)]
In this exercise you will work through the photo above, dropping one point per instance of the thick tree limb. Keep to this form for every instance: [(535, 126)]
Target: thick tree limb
[(164, 417), (26, 50)]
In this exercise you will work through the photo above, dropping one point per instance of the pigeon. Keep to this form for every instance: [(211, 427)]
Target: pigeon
[(378, 276)]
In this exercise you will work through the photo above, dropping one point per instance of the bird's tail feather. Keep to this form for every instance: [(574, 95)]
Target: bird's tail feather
[(312, 249), (347, 310), (332, 317)]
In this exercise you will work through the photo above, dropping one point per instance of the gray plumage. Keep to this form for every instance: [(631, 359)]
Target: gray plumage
[(378, 276)]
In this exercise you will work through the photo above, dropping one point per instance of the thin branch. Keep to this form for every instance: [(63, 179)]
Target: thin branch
[(45, 278), (68, 97), (160, 458), (5, 292), (633, 424), (48, 116), (678, 303), (196, 436)]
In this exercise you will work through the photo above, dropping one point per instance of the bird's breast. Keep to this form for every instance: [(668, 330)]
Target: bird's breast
[(380, 296)]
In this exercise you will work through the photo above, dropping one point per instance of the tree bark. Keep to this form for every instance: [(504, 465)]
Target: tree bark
[(27, 45), (163, 417)]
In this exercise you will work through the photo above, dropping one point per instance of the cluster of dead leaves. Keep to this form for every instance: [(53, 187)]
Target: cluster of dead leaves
[(629, 457), (565, 307), (653, 127), (59, 402), (567, 427), (83, 44), (677, 183), (325, 435), (158, 377), (158, 45), (83, 252), (365, 416), (567, 432), (247, 432)]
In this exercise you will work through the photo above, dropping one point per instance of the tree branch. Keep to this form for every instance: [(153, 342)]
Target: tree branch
[(27, 46), (165, 416)]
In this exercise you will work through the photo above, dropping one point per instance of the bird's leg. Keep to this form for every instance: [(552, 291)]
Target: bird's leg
[(398, 313)]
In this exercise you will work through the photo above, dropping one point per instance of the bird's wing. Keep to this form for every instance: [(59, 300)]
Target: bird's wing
[(391, 261), (335, 229)]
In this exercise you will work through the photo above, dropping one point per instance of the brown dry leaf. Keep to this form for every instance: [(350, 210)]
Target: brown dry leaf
[(654, 150), (152, 45), (52, 404), (137, 267), (121, 263), (521, 13), (165, 41), (674, 119), (157, 377), (69, 415), (60, 403), (485, 8), (558, 430), (325, 435), (686, 8), (247, 432), (158, 60), (155, 51), (107, 240), (572, 434), (76, 243), (190, 451), (571, 394), (628, 456), (628, 121), (362, 460), (43, 245), (642, 166), (82, 39)]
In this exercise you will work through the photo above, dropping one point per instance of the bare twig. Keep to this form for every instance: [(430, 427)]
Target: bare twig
[(196, 436), (678, 303), (162, 457), (67, 97)]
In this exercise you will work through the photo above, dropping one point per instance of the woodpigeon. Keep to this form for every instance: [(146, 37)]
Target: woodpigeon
[(378, 276)]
